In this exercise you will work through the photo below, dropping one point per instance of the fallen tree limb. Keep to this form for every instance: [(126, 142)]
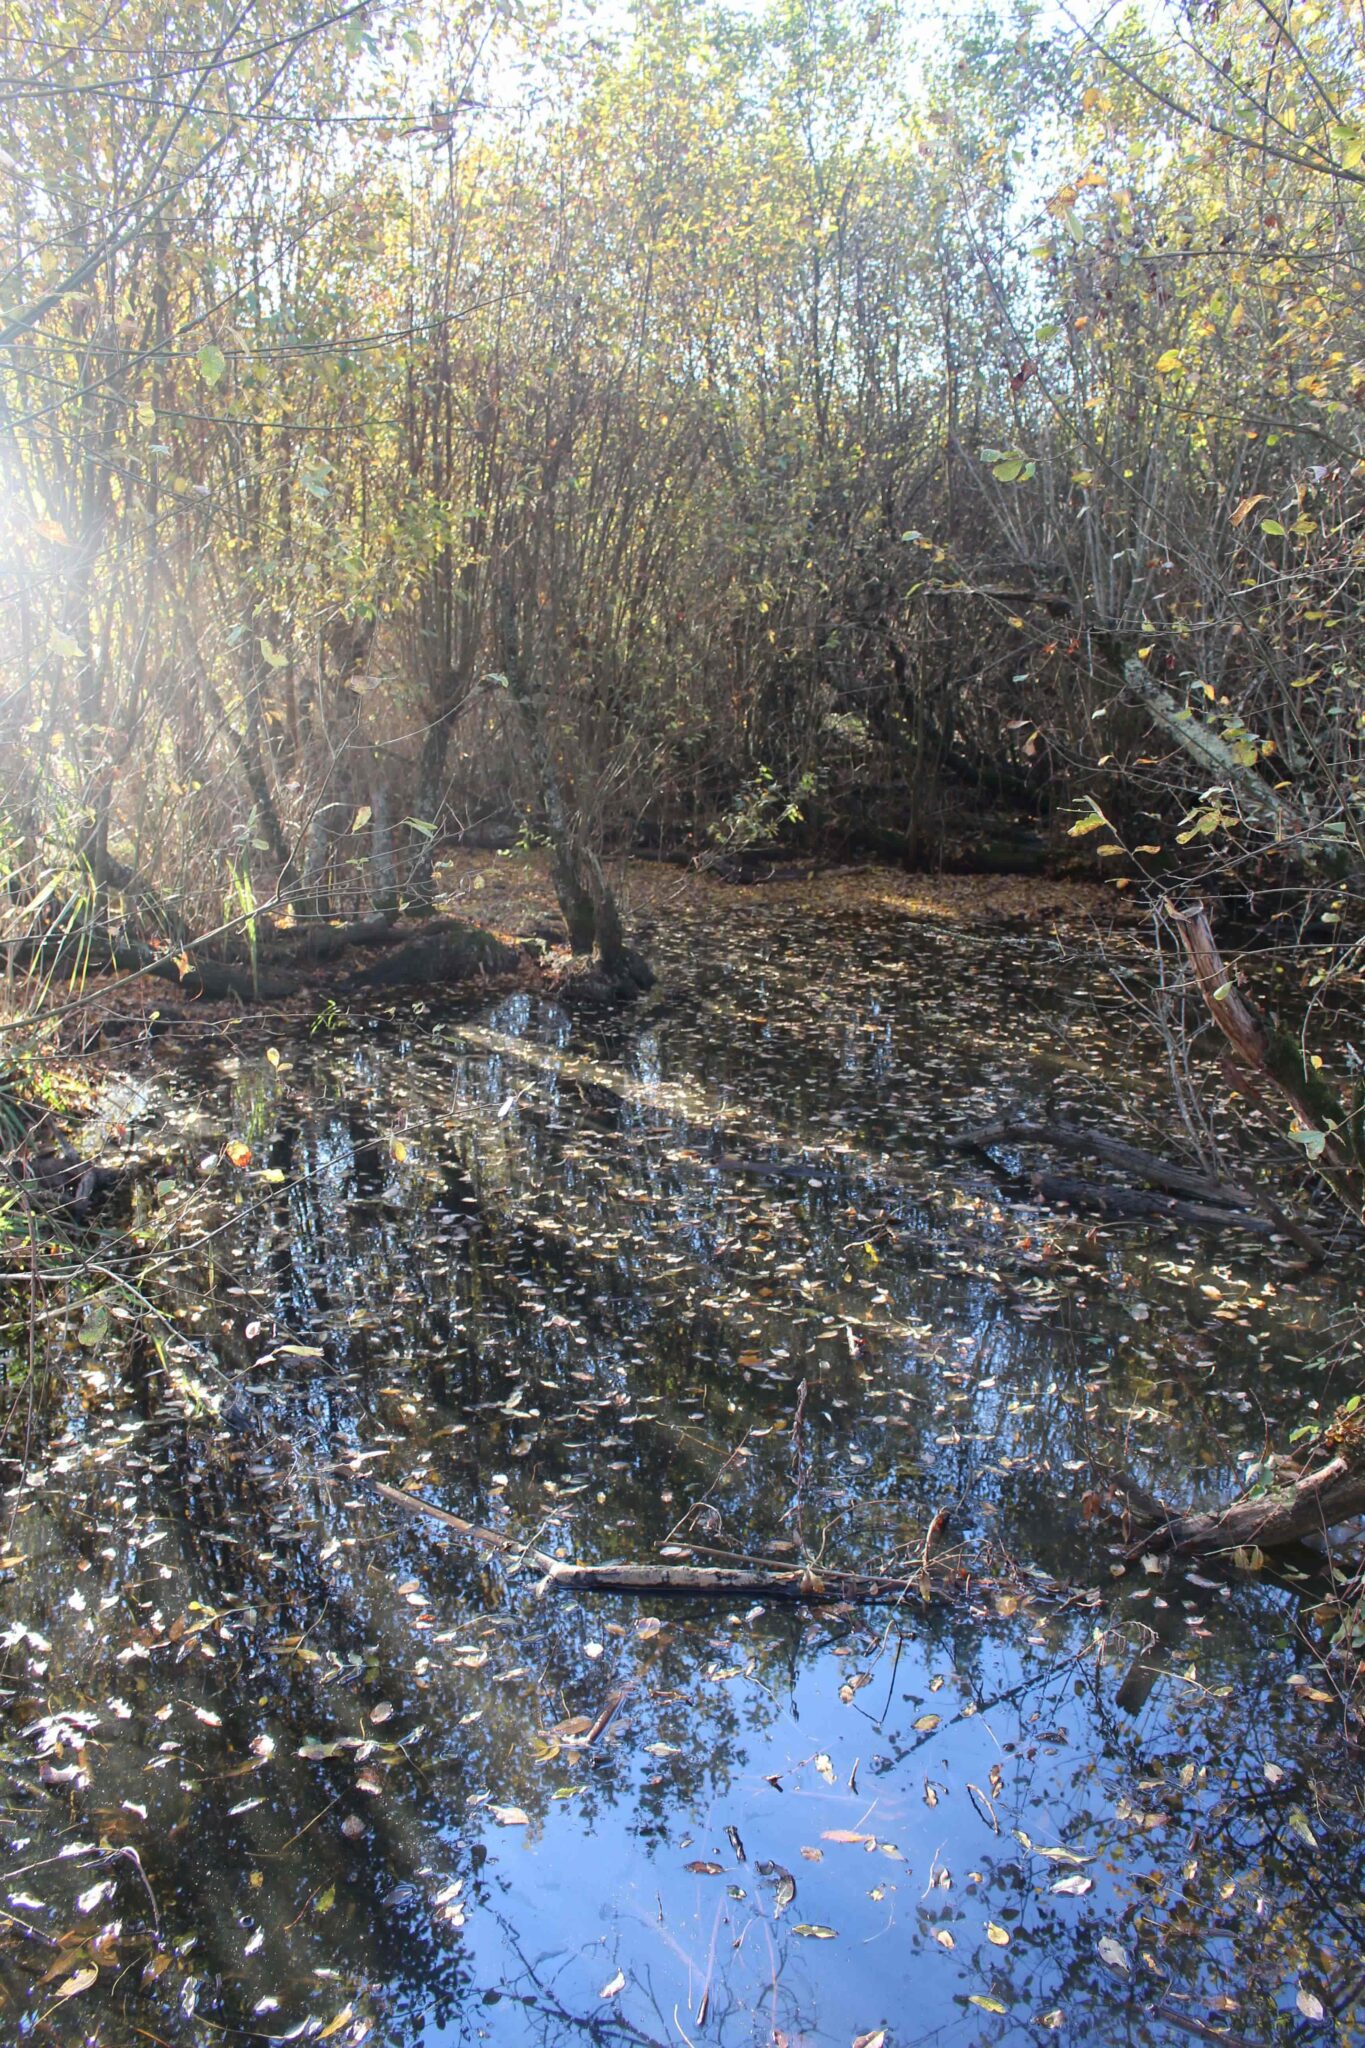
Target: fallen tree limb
[(1144, 1166), (1187, 1197), (699, 1581), (1273, 1055), (1145, 1203), (1310, 1506)]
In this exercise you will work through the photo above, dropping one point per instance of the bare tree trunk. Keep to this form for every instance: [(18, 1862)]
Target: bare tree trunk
[(586, 900)]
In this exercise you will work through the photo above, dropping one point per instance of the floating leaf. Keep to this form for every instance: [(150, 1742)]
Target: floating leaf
[(616, 1986), (510, 1816), (78, 1981), (814, 1931)]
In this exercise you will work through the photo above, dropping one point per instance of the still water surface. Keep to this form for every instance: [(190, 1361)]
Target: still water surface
[(286, 1762)]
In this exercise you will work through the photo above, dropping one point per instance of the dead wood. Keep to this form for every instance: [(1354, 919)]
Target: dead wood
[(1187, 1197), (1309, 1506), (1273, 1056), (1130, 1159), (1142, 1204), (698, 1581)]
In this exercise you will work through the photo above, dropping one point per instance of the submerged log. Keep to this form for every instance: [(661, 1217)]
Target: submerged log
[(1191, 1199), (1116, 1152), (1143, 1204), (696, 1580)]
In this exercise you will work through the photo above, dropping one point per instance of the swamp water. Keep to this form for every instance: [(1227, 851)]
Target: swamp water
[(285, 1761)]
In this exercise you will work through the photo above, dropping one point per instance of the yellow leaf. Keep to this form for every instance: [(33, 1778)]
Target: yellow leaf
[(79, 1980), (239, 1154), (998, 1936), (1168, 363)]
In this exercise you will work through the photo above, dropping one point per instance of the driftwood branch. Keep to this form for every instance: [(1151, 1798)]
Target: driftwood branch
[(699, 1581)]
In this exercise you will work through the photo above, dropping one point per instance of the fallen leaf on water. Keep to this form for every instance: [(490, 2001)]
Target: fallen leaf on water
[(876, 2039), (1309, 2005), (704, 1869), (239, 1154), (986, 2004), (1075, 1886), (943, 1938), (617, 1984), (998, 1935), (79, 1980), (1115, 1954), (510, 1816), (928, 1721), (815, 1931), (845, 1835)]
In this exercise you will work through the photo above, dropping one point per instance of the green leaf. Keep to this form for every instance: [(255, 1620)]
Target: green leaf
[(212, 363), (1272, 526)]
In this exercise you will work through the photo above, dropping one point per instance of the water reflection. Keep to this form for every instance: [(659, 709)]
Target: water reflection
[(285, 1761)]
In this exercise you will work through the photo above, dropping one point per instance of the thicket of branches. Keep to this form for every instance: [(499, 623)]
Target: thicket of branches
[(797, 421)]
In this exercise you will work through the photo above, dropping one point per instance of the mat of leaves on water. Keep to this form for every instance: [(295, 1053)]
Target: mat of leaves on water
[(285, 1760)]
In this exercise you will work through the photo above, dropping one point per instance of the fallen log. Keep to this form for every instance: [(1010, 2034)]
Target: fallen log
[(1330, 1136), (1187, 1197), (1142, 1204), (1130, 1159), (698, 1581), (1310, 1506)]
